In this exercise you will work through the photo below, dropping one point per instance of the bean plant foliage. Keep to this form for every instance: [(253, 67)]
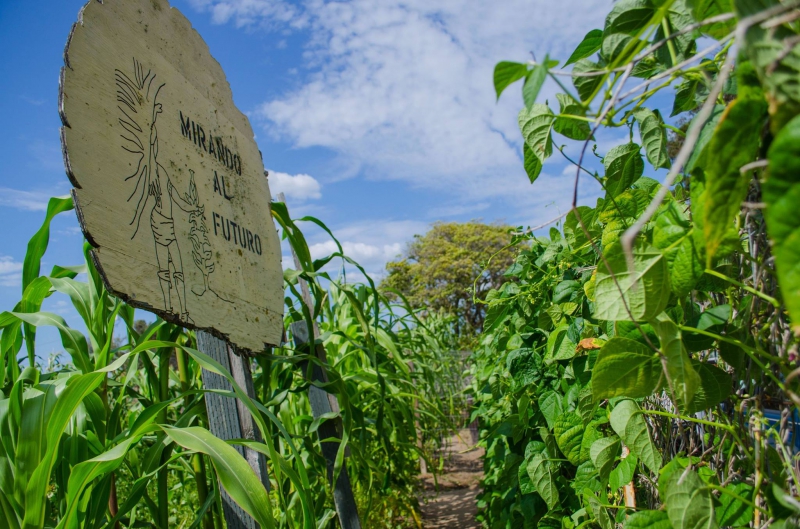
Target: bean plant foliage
[(640, 367), (117, 435)]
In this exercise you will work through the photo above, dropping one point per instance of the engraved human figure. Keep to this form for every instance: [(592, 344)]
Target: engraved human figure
[(140, 110)]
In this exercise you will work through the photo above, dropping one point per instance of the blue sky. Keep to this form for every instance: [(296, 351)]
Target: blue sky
[(377, 116)]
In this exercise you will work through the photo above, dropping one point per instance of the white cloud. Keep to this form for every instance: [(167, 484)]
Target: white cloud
[(10, 272), (266, 13), (26, 200), (358, 251), (403, 88), (300, 186), (371, 243), (70, 231), (473, 209)]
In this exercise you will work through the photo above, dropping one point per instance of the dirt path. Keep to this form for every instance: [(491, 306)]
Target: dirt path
[(454, 505)]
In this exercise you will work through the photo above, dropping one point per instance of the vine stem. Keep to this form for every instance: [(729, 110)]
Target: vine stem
[(539, 227), (726, 427), (695, 128), (647, 51), (600, 253), (677, 67), (752, 290), (732, 494)]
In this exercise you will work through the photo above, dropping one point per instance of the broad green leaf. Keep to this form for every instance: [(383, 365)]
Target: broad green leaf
[(573, 230), (654, 137), (614, 45), (233, 471), (627, 421), (713, 319), (777, 64), (551, 448), (629, 16), (506, 73), (637, 332), (715, 386), (678, 18), (624, 166), (647, 67), (572, 128), (541, 472), (705, 9), (564, 290), (781, 192), (733, 355), (586, 477), (586, 85), (551, 405), (588, 46), (631, 295), (568, 430), (559, 346), (783, 498), (648, 520), (623, 473), (535, 123), (550, 522), (735, 143), (73, 341), (78, 291), (590, 435), (626, 368), (533, 84), (600, 513), (603, 454), (673, 236), (37, 408), (732, 511), (698, 191), (37, 245), (84, 473), (533, 165), (689, 502), (586, 403), (677, 465), (78, 387), (682, 378), (685, 96), (525, 483), (8, 515), (705, 135), (31, 266)]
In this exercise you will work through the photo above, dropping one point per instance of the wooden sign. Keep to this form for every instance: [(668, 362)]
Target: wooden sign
[(170, 187)]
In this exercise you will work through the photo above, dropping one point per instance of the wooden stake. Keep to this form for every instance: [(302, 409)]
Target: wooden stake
[(229, 419), (628, 490), (320, 401), (323, 402)]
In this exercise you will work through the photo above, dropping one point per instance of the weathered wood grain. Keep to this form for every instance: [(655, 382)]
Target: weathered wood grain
[(169, 182), (225, 420), (343, 498)]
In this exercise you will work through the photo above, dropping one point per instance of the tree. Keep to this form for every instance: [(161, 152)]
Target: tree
[(439, 270)]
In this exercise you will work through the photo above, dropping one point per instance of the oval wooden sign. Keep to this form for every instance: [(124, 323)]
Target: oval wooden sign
[(169, 183)]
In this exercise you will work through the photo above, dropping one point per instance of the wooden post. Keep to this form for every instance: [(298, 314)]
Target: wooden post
[(229, 419), (629, 491), (323, 402)]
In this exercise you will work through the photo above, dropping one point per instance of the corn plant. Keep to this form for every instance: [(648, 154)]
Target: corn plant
[(117, 436)]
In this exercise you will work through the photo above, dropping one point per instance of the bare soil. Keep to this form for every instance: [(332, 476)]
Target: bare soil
[(450, 503)]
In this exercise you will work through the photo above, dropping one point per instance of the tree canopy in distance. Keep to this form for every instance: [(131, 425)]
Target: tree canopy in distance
[(438, 270)]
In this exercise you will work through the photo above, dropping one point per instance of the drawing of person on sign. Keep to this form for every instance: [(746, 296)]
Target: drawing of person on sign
[(140, 108)]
